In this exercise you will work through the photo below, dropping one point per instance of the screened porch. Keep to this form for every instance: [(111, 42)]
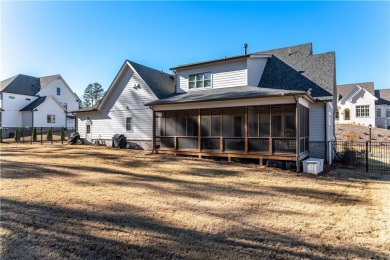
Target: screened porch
[(269, 131)]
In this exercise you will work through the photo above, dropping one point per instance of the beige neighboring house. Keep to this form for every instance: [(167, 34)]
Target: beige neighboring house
[(356, 104)]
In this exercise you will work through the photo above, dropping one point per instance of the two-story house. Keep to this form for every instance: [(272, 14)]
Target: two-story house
[(41, 102), (275, 104), (122, 110), (356, 104)]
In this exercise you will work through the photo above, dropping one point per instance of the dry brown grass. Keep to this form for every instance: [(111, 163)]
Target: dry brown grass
[(84, 202)]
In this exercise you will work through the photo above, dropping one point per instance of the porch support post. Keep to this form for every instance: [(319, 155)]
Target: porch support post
[(246, 129), (154, 132), (199, 136), (297, 134)]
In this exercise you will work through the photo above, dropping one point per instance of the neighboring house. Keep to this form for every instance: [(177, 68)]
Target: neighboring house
[(360, 104), (382, 112), (122, 110), (43, 102), (275, 104)]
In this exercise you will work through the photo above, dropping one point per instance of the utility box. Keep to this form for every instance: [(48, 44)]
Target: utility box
[(313, 165)]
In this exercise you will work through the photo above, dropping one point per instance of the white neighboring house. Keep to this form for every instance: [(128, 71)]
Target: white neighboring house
[(122, 110), (28, 101), (356, 104)]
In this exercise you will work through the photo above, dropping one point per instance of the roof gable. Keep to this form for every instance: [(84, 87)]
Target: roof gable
[(296, 68), (36, 103), (383, 96), (344, 89)]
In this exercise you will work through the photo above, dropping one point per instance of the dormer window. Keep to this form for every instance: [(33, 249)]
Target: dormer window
[(199, 80)]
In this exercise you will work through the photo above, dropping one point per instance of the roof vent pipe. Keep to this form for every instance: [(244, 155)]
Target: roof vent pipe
[(245, 47)]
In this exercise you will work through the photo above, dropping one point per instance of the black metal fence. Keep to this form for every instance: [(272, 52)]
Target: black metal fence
[(42, 135), (362, 156)]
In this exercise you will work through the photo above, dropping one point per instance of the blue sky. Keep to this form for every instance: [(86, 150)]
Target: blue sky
[(88, 42)]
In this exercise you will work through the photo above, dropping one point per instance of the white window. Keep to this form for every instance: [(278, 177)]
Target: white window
[(200, 80), (337, 115), (51, 119), (362, 111), (65, 105), (387, 112), (58, 91), (378, 112), (88, 129), (128, 124)]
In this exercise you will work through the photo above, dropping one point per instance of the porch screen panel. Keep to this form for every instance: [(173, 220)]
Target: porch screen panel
[(170, 124), (253, 122), (162, 122), (216, 122), (227, 127), (205, 122), (192, 123), (181, 123), (264, 116), (289, 121), (276, 119)]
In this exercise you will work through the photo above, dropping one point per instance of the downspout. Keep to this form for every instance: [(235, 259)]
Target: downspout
[(297, 134), (325, 133), (153, 130)]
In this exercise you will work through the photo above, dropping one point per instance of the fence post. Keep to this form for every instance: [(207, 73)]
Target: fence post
[(41, 134), (51, 130), (23, 135), (366, 156)]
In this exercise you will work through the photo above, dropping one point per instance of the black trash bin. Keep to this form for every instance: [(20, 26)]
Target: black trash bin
[(119, 141), (73, 137)]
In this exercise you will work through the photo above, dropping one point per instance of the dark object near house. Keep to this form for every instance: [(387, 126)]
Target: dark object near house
[(275, 163), (73, 137), (119, 141)]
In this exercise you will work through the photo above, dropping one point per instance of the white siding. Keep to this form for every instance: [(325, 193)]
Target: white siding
[(223, 75), (111, 118), (255, 68), (11, 116), (66, 95), (316, 122), (27, 119), (49, 107)]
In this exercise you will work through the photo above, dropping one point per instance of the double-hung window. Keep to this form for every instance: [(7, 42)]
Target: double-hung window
[(199, 80), (58, 91), (362, 111), (387, 112), (378, 112), (128, 124)]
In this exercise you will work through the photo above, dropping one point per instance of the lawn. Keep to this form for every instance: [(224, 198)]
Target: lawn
[(85, 202)]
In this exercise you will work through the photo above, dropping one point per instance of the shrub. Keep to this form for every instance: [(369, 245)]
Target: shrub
[(62, 134), (49, 136), (34, 134), (1, 135), (17, 135), (351, 137)]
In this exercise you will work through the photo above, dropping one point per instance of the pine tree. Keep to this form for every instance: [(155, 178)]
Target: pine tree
[(49, 136), (34, 134), (92, 93)]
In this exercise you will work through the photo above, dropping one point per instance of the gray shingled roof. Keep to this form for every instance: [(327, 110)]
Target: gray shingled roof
[(162, 84), (33, 105), (383, 96), (296, 68), (21, 84), (290, 70), (344, 89), (218, 94), (90, 108)]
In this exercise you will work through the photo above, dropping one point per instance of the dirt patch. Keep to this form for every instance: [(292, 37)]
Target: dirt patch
[(94, 202)]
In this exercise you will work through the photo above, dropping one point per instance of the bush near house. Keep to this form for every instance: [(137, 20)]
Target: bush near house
[(62, 134), (34, 134)]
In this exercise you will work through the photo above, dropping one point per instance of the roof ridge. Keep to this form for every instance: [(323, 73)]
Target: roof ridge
[(160, 71)]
